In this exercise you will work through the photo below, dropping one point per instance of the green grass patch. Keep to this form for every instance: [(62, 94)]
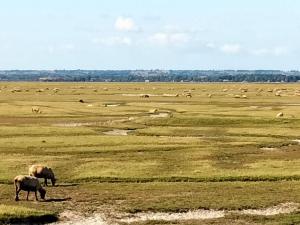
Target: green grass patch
[(19, 214)]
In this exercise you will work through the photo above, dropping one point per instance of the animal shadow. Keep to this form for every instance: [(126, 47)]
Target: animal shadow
[(66, 185), (58, 199)]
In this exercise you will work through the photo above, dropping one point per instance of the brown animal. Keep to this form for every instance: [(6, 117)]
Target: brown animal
[(28, 183), (42, 172)]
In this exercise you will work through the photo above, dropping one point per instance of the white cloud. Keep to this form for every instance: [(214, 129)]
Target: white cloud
[(62, 48), (68, 46), (210, 45), (165, 38), (231, 48), (111, 41), (179, 38), (125, 24), (275, 51), (50, 49), (159, 38), (260, 51)]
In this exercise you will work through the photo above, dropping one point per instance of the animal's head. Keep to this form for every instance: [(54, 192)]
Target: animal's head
[(42, 193), (53, 181)]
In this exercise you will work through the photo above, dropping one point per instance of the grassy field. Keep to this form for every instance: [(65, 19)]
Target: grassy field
[(223, 148)]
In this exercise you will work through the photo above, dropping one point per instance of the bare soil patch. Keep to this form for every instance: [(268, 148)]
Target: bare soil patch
[(117, 132), (283, 208), (160, 115), (74, 124), (69, 217), (269, 149), (200, 214)]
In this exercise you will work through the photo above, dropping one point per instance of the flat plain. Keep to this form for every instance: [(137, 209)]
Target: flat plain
[(153, 147)]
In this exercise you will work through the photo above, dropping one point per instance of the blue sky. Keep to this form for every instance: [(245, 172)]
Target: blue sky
[(152, 34)]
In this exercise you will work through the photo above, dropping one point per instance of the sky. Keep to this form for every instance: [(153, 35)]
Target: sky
[(150, 34)]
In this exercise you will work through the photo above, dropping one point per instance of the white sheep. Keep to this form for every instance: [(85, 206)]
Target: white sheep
[(36, 109), (40, 171), (28, 183)]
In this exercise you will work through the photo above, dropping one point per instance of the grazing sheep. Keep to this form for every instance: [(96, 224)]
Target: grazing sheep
[(153, 110), (36, 110), (243, 89), (16, 89), (145, 96), (55, 90), (28, 183), (279, 115), (188, 95), (42, 172)]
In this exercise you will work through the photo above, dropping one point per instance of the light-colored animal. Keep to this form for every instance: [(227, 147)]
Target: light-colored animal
[(279, 115), (36, 109), (188, 95), (244, 89), (28, 183), (55, 90), (153, 110), (45, 172)]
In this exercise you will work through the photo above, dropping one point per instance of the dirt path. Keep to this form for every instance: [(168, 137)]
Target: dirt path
[(117, 132), (195, 215), (71, 218), (283, 208)]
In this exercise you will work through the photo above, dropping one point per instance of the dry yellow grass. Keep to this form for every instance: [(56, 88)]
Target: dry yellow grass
[(211, 136)]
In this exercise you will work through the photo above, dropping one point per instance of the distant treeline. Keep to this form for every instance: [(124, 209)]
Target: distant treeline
[(151, 75)]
